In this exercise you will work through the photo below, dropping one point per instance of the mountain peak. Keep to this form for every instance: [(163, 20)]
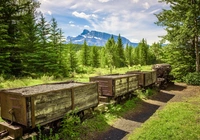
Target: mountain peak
[(96, 38), (85, 31)]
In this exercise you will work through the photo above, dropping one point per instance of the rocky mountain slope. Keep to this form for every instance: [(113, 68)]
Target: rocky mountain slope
[(96, 38)]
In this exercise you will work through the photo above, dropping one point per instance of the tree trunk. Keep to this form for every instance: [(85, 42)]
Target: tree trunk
[(197, 53)]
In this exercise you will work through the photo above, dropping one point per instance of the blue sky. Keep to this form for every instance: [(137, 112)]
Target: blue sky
[(133, 19)]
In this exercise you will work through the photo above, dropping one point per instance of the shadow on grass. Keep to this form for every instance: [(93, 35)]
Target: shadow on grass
[(176, 87), (112, 134), (143, 112), (162, 96)]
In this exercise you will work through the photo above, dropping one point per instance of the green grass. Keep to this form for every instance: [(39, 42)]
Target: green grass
[(177, 121), (28, 81)]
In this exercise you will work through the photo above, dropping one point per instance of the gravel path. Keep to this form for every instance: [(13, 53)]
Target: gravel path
[(121, 129), (43, 88)]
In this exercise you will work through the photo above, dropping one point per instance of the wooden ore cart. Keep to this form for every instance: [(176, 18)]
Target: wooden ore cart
[(146, 78), (163, 75), (115, 86), (27, 107)]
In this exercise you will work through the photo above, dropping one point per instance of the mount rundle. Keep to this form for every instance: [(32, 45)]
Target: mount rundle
[(96, 38)]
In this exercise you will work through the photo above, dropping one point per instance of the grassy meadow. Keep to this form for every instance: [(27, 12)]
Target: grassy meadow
[(84, 77)]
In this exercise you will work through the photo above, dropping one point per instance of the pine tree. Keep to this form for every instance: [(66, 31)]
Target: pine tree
[(120, 53), (29, 40), (136, 56), (54, 33), (4, 45), (103, 57), (13, 15), (85, 54), (110, 53), (143, 52), (72, 58), (94, 54), (155, 53), (47, 63), (180, 59), (62, 60), (10, 16), (129, 55), (182, 22)]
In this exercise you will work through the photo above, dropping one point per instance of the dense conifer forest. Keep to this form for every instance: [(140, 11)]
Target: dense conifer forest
[(31, 46)]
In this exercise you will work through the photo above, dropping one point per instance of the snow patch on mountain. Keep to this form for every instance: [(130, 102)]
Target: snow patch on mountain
[(96, 38)]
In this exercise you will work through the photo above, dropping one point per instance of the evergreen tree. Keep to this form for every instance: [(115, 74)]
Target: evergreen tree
[(180, 59), (56, 42), (129, 55), (110, 53), (13, 16), (120, 62), (4, 45), (46, 61), (54, 33), (72, 58), (103, 57), (155, 53), (10, 17), (136, 56), (143, 52), (62, 61), (29, 40), (94, 54), (182, 22), (85, 54)]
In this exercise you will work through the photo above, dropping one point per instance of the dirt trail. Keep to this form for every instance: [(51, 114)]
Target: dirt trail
[(121, 129)]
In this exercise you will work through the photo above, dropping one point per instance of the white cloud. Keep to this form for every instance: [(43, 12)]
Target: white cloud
[(146, 5), (74, 6), (80, 15), (135, 1), (49, 12), (72, 25), (86, 26), (133, 19), (83, 15), (103, 0)]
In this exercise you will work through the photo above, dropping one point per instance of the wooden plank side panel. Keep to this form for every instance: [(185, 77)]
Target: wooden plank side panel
[(50, 117), (105, 87), (154, 76), (52, 105), (133, 83), (13, 108), (121, 86), (147, 79), (86, 96), (150, 78)]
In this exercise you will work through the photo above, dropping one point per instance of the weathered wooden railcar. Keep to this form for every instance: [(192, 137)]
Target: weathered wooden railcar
[(163, 75), (44, 104), (146, 78), (115, 86)]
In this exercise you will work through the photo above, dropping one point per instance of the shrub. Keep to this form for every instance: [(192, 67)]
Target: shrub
[(192, 78), (71, 126)]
